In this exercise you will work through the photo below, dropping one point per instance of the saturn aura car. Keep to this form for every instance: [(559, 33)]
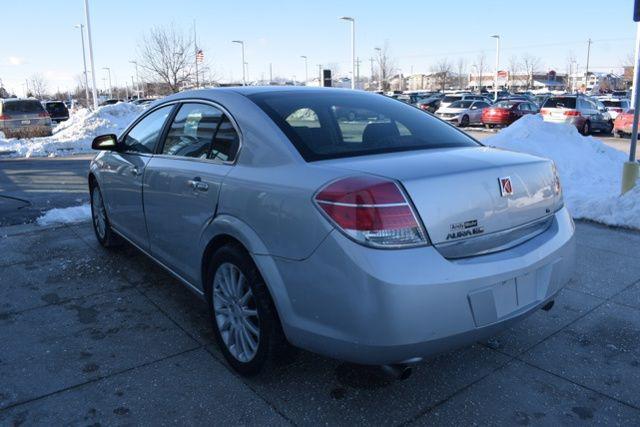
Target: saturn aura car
[(380, 240)]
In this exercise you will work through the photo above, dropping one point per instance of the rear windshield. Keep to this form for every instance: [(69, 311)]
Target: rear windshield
[(560, 102), (505, 104), (451, 98), (22, 107), (461, 104), (56, 107), (612, 103), (331, 125)]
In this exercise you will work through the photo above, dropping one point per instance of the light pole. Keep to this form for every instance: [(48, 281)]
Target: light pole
[(110, 86), (380, 85), (93, 68), (84, 63), (244, 78), (631, 169), (306, 69), (138, 92), (495, 82), (353, 49), (476, 68)]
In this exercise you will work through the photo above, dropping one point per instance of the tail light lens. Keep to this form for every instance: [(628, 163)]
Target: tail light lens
[(572, 113), (423, 107), (544, 112), (4, 117), (372, 211)]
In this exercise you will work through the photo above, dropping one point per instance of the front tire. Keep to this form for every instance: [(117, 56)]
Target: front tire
[(464, 122), (245, 322), (100, 220)]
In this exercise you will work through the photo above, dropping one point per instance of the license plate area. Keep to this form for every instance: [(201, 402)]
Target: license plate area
[(509, 297), (26, 122)]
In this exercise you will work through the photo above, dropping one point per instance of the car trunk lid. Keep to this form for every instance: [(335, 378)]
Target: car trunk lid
[(460, 193)]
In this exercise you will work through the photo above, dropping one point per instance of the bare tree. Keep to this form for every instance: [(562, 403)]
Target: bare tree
[(167, 55), (442, 71), (481, 62), (38, 86), (531, 64), (460, 68), (514, 68), (386, 66)]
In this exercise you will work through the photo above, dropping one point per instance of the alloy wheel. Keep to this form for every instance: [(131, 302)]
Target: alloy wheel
[(98, 213), (236, 313)]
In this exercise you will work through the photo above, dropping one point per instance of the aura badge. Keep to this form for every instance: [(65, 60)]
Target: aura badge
[(506, 189)]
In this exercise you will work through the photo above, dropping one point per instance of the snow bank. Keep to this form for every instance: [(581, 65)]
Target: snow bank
[(590, 171), (66, 215), (74, 135)]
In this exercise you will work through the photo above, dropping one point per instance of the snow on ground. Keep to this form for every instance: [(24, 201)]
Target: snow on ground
[(590, 171), (66, 215), (74, 135)]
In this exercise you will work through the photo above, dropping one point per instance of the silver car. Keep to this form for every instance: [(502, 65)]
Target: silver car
[(380, 240), (463, 113), (24, 118)]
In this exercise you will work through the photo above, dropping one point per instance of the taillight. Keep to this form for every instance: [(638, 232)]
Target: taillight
[(372, 211), (423, 107), (572, 113), (545, 112), (4, 117)]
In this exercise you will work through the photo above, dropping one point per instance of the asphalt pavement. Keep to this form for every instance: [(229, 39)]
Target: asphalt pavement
[(97, 337)]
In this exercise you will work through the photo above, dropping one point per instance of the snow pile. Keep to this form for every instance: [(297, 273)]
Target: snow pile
[(66, 215), (590, 171), (74, 135)]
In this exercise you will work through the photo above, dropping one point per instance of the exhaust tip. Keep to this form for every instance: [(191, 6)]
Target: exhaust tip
[(397, 372)]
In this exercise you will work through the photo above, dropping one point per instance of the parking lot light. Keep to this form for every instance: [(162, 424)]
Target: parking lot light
[(353, 49), (495, 81), (84, 62), (93, 68), (244, 77)]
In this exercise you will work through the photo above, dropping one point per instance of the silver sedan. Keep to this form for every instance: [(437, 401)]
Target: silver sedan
[(379, 240)]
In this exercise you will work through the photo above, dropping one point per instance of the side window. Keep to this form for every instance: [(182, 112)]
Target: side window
[(226, 142), (303, 117), (192, 131), (143, 137), (523, 107)]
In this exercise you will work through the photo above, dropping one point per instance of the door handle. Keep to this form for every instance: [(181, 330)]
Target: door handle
[(197, 184)]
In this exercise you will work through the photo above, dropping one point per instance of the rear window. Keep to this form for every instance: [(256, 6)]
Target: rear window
[(504, 104), (56, 107), (612, 103), (560, 102), (22, 107), (451, 98), (331, 125), (461, 104)]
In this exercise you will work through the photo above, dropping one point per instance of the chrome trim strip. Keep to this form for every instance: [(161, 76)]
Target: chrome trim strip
[(365, 205), (184, 281), (494, 242)]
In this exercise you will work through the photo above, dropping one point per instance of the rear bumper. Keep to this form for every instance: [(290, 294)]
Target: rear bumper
[(488, 120), (389, 306), (13, 128)]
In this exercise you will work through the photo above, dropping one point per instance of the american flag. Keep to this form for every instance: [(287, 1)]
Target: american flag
[(199, 55)]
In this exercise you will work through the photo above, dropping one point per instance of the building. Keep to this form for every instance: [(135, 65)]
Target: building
[(518, 82), (596, 81)]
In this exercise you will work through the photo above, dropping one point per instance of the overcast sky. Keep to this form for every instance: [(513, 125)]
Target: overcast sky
[(39, 35)]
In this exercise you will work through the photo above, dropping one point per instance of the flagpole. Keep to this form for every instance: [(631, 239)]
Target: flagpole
[(195, 44)]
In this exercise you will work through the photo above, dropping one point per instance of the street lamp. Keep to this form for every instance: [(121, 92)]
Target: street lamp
[(110, 86), (84, 62), (353, 49), (137, 79), (241, 43), (377, 49), (495, 82), (476, 68), (93, 68), (306, 69)]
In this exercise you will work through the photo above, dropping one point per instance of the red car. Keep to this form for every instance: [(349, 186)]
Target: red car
[(503, 113), (622, 125)]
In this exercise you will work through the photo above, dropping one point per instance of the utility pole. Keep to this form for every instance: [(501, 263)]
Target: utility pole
[(371, 79), (357, 72), (320, 82), (84, 62), (495, 82), (110, 86), (137, 79), (93, 68), (586, 73), (380, 83), (270, 72), (244, 77)]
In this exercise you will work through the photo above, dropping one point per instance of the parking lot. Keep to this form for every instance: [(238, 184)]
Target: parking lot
[(92, 336)]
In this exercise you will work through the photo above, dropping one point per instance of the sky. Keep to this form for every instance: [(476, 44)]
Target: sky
[(39, 35)]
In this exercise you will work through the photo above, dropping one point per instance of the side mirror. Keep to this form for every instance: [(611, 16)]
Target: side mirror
[(107, 142)]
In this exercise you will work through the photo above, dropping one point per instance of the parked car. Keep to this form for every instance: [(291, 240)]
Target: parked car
[(449, 99), (57, 111), (413, 98), (540, 98), (463, 113), (622, 126), (110, 102), (616, 106), (24, 118), (430, 105), (380, 242), (503, 113), (579, 110)]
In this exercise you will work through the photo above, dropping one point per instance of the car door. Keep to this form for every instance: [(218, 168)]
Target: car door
[(122, 173), (475, 112), (183, 181)]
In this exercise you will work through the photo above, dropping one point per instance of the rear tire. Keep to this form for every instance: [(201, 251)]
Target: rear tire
[(244, 318), (101, 225), (586, 128), (464, 122)]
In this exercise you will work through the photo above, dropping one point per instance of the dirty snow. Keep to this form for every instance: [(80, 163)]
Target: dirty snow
[(590, 171), (74, 135), (66, 215)]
